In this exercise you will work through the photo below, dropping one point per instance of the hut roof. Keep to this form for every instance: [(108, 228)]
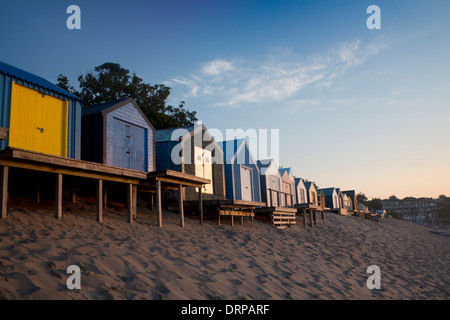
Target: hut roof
[(34, 79)]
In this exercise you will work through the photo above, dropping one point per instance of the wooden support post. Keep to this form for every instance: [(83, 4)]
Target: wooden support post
[(100, 201), (180, 205), (270, 198), (105, 198), (218, 215), (158, 202), (310, 218), (74, 196), (58, 196), (150, 201), (304, 217), (134, 203), (4, 173), (323, 214), (131, 201), (38, 196), (242, 220), (200, 204), (232, 221)]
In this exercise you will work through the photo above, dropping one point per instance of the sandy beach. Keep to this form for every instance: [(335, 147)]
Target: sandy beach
[(119, 260)]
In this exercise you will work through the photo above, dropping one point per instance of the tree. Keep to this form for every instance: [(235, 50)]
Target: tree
[(361, 198), (63, 83), (393, 198), (375, 204), (109, 82), (442, 196)]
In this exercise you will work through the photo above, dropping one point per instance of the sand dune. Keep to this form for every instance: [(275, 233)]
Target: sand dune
[(254, 261)]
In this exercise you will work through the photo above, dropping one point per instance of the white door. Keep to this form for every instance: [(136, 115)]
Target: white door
[(246, 184), (203, 167)]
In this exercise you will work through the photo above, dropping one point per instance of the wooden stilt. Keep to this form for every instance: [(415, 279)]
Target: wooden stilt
[(38, 196), (310, 219), (270, 198), (105, 198), (323, 214), (304, 217), (200, 204), (180, 205), (242, 220), (218, 215), (4, 173), (150, 201), (158, 202), (232, 221), (74, 196), (130, 202), (315, 216), (134, 198), (58, 196), (100, 201)]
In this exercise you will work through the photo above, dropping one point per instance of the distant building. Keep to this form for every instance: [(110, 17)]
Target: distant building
[(417, 210)]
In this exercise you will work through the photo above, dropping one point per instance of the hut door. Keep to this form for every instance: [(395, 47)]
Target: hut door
[(203, 167), (38, 122), (246, 184), (287, 196), (130, 146)]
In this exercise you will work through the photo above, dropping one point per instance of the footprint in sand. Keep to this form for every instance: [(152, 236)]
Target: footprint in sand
[(235, 282)]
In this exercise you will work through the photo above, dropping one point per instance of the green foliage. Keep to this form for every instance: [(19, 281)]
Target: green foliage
[(395, 215), (110, 82), (393, 198), (361, 198), (444, 208), (375, 204)]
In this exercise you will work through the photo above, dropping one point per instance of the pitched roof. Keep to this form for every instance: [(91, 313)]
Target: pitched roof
[(34, 79), (308, 185), (166, 134), (327, 191), (230, 145), (283, 170), (298, 180), (113, 105), (97, 108)]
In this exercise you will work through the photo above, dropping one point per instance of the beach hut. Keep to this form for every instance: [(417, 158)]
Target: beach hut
[(194, 151), (300, 191), (242, 176), (311, 193), (340, 197), (351, 194), (270, 182), (271, 194), (118, 133), (36, 115), (348, 204), (331, 197), (288, 187)]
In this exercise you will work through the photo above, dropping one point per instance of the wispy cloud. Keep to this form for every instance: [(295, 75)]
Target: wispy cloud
[(274, 78)]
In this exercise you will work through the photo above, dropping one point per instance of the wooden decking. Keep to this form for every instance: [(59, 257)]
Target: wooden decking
[(228, 208), (308, 209), (280, 216), (152, 182)]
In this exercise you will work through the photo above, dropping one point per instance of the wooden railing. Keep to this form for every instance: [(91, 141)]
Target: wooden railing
[(280, 195)]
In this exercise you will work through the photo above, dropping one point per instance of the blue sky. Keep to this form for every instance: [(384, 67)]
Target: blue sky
[(356, 108)]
